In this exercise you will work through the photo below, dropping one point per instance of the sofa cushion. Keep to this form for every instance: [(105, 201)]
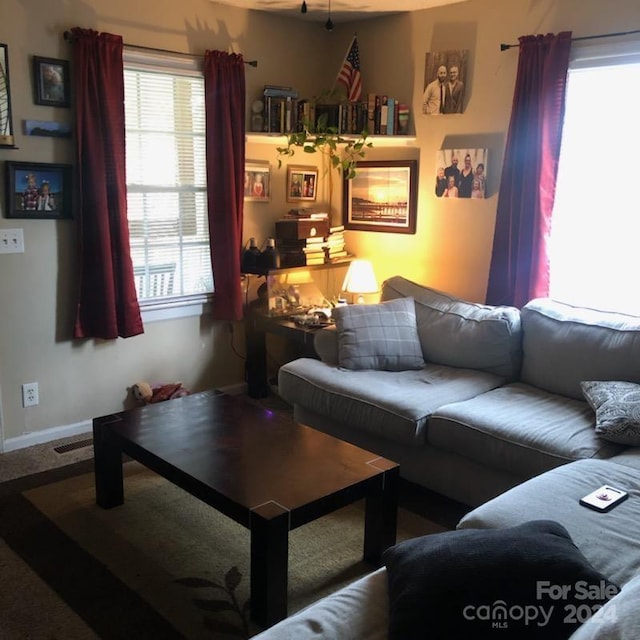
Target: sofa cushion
[(378, 336), (619, 619), (357, 611), (395, 405), (458, 583), (617, 407), (457, 333), (608, 540), (519, 429), (563, 345)]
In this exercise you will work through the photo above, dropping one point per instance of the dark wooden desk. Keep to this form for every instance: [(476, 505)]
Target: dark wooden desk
[(257, 325), (261, 469)]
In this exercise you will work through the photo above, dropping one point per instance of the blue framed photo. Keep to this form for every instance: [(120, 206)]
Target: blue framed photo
[(38, 190)]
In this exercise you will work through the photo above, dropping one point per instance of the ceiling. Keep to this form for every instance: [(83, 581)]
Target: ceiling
[(341, 10)]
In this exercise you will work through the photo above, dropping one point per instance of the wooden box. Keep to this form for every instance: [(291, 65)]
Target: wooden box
[(300, 228)]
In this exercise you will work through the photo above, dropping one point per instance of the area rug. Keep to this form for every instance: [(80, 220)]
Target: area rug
[(163, 565)]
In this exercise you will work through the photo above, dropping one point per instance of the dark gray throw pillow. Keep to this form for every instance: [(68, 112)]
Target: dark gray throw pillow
[(380, 336), (617, 407), (520, 582)]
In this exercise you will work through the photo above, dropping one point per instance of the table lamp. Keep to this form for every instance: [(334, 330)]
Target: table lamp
[(360, 279)]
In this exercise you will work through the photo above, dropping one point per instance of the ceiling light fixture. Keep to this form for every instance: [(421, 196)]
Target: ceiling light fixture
[(328, 25), (303, 8)]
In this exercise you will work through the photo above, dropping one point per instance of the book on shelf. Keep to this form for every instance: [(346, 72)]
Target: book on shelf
[(384, 115), (403, 119), (391, 116)]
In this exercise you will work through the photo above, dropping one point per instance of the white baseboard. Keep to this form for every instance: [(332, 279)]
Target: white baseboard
[(234, 389), (66, 431), (47, 435)]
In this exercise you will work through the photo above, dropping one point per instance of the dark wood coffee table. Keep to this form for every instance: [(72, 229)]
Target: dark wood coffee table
[(260, 468)]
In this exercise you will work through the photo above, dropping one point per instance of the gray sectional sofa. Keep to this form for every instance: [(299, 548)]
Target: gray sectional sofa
[(496, 401), (497, 417)]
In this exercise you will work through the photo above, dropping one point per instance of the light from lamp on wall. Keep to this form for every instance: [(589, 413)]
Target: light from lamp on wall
[(360, 279)]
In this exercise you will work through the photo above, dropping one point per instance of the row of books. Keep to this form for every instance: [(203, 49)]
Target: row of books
[(378, 115)]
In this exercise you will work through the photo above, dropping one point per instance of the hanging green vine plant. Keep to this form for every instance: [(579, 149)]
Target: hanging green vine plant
[(338, 152)]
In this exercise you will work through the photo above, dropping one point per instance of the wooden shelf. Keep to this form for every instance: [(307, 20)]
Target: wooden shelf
[(377, 140)]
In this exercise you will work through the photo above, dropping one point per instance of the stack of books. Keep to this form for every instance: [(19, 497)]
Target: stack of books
[(280, 109), (335, 248), (301, 252)]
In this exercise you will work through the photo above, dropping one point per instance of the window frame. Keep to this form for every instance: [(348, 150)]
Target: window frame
[(585, 56), (179, 306)]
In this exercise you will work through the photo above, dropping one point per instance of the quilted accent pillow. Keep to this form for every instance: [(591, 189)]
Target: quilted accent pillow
[(380, 336), (494, 584), (617, 407)]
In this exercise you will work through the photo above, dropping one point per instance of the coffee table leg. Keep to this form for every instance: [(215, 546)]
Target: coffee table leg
[(269, 563), (108, 465), (381, 516)]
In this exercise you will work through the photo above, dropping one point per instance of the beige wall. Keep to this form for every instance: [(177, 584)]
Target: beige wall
[(451, 249)]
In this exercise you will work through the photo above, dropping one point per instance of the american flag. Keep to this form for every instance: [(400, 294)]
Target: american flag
[(349, 74)]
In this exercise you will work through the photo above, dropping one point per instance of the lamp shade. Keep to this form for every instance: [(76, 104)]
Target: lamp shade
[(360, 279)]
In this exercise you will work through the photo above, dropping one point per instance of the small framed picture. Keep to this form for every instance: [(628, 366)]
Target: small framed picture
[(38, 190), (302, 183), (257, 181), (51, 82)]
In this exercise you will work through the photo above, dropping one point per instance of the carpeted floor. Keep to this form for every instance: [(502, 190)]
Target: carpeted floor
[(163, 565)]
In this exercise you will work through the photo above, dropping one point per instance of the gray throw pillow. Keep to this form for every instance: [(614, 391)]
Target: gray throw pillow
[(617, 407), (380, 336)]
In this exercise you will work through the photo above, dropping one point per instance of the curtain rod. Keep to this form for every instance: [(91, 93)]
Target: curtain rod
[(504, 47), (252, 63)]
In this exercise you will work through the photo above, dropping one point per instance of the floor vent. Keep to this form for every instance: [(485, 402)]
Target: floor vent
[(72, 446)]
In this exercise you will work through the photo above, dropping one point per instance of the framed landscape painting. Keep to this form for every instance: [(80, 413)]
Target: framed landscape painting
[(382, 197)]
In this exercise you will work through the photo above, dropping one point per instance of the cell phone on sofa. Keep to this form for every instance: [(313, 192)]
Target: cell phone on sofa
[(604, 498)]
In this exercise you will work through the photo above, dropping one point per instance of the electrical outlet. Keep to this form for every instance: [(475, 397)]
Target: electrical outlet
[(11, 241), (30, 394)]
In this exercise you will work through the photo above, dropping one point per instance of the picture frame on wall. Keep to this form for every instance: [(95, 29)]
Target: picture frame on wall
[(302, 183), (257, 181), (461, 173), (38, 190), (51, 82), (382, 197), (6, 121)]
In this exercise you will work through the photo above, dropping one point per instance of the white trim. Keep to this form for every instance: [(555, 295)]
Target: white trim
[(47, 435), (160, 61), (156, 310), (86, 426), (601, 55)]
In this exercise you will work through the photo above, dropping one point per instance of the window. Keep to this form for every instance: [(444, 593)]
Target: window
[(595, 233), (166, 177)]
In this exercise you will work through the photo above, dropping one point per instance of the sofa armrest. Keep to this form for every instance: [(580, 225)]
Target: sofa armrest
[(325, 342)]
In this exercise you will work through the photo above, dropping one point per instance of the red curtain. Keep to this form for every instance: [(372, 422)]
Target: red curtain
[(224, 87), (519, 262), (107, 304)]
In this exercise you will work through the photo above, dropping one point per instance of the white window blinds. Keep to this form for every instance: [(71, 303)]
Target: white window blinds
[(166, 177)]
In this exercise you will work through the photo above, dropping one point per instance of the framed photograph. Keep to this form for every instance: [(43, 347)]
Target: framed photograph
[(382, 197), (257, 181), (302, 183), (6, 123), (47, 128), (445, 79), (51, 82), (461, 173), (38, 190)]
